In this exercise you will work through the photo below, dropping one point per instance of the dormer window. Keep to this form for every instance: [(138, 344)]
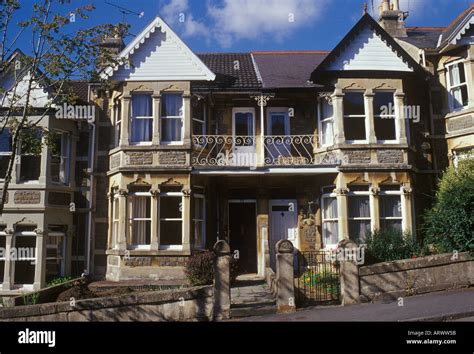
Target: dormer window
[(172, 118), (457, 85), (142, 118)]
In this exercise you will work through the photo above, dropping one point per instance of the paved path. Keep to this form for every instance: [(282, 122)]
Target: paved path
[(250, 296), (440, 306)]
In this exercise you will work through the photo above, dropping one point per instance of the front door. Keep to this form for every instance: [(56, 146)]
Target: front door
[(243, 130), (278, 142), (283, 224), (243, 234)]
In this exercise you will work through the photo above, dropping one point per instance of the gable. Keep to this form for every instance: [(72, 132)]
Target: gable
[(158, 54), (367, 51), (39, 97)]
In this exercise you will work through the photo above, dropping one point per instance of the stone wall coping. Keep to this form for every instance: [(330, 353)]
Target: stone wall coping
[(416, 263), (150, 297)]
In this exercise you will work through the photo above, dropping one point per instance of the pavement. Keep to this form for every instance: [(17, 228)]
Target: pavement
[(251, 296), (454, 305)]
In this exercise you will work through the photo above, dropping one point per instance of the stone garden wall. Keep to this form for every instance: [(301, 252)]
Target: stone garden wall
[(190, 304)]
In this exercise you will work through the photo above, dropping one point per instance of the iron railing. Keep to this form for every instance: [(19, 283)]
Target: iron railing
[(317, 278), (235, 150)]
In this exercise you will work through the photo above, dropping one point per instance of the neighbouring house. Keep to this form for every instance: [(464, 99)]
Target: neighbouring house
[(310, 146)]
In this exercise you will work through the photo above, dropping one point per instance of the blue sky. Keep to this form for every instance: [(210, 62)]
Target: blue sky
[(245, 25)]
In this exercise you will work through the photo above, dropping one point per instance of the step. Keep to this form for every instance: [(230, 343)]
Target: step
[(255, 310)]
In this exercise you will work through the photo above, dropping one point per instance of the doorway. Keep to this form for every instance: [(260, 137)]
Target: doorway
[(283, 224), (243, 233), (243, 132)]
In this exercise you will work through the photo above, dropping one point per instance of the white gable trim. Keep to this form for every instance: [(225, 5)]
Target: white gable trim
[(456, 37), (131, 48), (368, 51)]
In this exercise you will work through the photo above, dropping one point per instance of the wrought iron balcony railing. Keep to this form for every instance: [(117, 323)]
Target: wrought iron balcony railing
[(232, 150)]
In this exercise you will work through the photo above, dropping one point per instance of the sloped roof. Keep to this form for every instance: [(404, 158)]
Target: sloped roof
[(287, 69), (234, 71), (458, 26), (423, 37), (366, 22)]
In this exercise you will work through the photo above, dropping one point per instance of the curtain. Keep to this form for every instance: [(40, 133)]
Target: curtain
[(140, 229), (331, 235), (390, 206), (171, 129), (172, 105), (327, 132), (141, 128), (359, 206)]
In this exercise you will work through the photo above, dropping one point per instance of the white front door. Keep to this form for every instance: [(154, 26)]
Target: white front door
[(243, 131), (278, 128), (283, 224)]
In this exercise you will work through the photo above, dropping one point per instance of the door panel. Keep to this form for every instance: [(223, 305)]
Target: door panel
[(244, 147), (243, 235), (278, 143), (283, 224)]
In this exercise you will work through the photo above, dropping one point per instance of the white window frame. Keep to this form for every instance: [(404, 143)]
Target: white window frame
[(142, 143), (4, 258), (117, 122), (33, 259), (362, 218), (450, 86), (202, 222), (115, 221), (332, 220), (18, 156), (393, 117), (356, 116), (6, 153), (397, 193), (131, 219), (321, 121), (173, 142), (65, 143), (160, 219)]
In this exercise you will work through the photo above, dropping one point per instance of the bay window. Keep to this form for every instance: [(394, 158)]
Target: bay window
[(354, 116), (384, 116), (171, 219), (457, 85), (329, 220), (5, 151), (142, 118), (140, 218), (390, 208), (171, 118), (326, 122), (60, 151), (359, 213)]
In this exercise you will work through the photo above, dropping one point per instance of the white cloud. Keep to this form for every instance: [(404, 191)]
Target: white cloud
[(228, 21), (177, 14), (259, 19)]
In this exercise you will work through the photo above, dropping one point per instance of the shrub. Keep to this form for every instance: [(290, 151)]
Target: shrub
[(389, 245), (449, 224), (59, 280), (200, 268)]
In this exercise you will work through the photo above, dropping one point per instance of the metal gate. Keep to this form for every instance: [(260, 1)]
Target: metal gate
[(317, 280)]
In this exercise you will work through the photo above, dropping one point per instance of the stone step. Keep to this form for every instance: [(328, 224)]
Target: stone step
[(257, 303), (255, 310)]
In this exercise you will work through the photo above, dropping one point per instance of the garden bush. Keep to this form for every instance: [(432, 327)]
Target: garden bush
[(449, 224), (200, 268), (389, 245)]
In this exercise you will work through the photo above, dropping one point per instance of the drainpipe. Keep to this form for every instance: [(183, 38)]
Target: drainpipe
[(87, 271)]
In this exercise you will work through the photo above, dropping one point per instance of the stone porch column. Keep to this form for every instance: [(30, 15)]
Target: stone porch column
[(123, 220), (6, 285), (40, 264), (338, 112), (156, 119), (374, 207), (155, 196), (343, 222), (125, 130), (186, 219), (369, 116), (400, 119), (407, 221)]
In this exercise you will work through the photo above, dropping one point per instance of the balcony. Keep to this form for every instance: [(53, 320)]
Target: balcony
[(245, 151)]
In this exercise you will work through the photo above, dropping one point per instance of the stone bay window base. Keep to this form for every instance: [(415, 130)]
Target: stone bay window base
[(251, 212)]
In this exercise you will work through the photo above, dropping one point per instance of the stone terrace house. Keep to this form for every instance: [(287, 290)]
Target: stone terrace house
[(245, 146), (310, 146)]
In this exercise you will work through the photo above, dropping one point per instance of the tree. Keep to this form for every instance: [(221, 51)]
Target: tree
[(449, 225), (60, 52)]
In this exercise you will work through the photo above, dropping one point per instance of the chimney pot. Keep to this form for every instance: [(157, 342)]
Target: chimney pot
[(385, 5), (396, 5)]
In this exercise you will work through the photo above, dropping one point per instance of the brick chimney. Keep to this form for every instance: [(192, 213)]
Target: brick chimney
[(392, 19)]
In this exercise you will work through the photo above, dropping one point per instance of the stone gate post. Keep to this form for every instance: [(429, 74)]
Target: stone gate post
[(222, 280), (349, 272), (284, 274)]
